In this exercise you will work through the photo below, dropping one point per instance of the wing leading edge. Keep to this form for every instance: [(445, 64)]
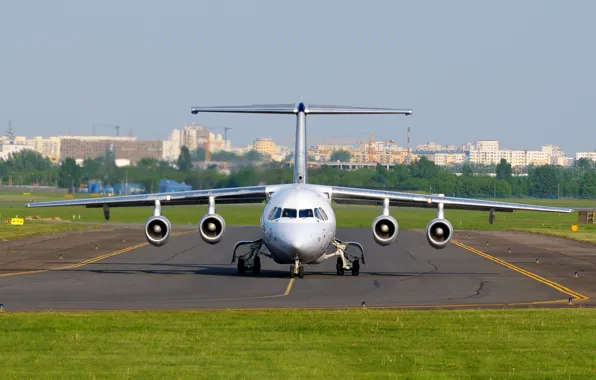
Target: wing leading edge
[(346, 195), (250, 194)]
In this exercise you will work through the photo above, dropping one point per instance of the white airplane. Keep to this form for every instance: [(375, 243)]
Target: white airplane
[(298, 223)]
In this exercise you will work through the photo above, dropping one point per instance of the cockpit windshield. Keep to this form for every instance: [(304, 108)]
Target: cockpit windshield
[(306, 213), (289, 213)]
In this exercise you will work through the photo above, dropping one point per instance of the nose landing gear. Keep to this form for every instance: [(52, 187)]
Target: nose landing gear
[(297, 270)]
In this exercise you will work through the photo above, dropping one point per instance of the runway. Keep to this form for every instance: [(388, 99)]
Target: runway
[(189, 274)]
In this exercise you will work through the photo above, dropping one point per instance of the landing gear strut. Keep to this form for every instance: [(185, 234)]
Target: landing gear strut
[(343, 262), (297, 269), (250, 260)]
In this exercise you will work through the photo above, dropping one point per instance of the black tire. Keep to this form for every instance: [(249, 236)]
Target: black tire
[(241, 267), (256, 265), (339, 267), (356, 268), (301, 271), (292, 274)]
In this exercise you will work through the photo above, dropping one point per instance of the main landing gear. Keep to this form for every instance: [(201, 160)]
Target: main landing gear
[(297, 269), (343, 262), (354, 268), (250, 260)]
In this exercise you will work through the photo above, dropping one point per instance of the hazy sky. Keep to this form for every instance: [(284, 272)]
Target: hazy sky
[(522, 72)]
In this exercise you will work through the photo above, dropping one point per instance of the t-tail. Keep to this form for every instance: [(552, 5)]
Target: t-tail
[(301, 110)]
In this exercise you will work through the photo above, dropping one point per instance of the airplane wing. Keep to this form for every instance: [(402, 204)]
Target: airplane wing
[(346, 195), (250, 194)]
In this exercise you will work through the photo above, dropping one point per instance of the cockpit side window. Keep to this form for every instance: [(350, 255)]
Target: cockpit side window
[(277, 213), (289, 213), (305, 213), (318, 214), (270, 217), (323, 214)]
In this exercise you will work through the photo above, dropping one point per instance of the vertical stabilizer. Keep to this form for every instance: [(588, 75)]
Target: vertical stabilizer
[(300, 156)]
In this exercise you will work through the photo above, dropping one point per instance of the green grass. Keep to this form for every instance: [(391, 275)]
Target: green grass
[(291, 344), (12, 204), (30, 229)]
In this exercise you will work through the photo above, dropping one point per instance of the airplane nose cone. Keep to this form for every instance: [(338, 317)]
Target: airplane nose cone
[(296, 244)]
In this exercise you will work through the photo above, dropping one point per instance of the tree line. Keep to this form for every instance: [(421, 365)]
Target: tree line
[(547, 181)]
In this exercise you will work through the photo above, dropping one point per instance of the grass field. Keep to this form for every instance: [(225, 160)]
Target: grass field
[(289, 344), (12, 204)]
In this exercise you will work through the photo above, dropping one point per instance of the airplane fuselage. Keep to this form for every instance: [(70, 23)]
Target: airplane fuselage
[(298, 223)]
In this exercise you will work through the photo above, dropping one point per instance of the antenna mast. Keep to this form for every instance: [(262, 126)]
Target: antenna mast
[(9, 131)]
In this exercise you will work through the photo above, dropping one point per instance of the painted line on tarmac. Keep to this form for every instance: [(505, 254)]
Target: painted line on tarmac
[(284, 294), (88, 261), (534, 276)]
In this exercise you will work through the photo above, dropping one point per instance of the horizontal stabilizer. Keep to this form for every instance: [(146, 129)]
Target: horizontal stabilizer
[(343, 110), (257, 108), (302, 107)]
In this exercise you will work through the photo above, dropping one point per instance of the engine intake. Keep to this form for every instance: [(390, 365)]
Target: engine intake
[(212, 228), (439, 233), (157, 230), (385, 229)]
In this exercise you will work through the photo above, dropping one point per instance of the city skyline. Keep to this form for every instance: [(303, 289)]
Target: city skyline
[(468, 70)]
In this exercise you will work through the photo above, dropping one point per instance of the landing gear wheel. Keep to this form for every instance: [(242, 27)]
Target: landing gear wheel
[(241, 267), (339, 266), (256, 265), (301, 271), (292, 274), (356, 268)]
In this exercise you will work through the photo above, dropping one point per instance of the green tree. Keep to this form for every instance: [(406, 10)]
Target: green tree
[(504, 170), (69, 175), (198, 155), (340, 155), (184, 162), (467, 170), (542, 182), (587, 185)]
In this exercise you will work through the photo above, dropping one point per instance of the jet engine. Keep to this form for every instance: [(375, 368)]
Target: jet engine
[(212, 228), (439, 233), (385, 230), (157, 230)]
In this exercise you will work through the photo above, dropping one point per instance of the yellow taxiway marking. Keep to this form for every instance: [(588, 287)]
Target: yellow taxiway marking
[(284, 294), (86, 262), (534, 276)]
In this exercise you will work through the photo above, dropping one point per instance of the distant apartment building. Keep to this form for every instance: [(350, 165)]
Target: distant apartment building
[(10, 147), (588, 155), (193, 136), (487, 145), (487, 152), (449, 159), (265, 146), (124, 148), (434, 147), (323, 152)]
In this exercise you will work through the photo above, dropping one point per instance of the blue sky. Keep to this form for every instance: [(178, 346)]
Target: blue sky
[(521, 72)]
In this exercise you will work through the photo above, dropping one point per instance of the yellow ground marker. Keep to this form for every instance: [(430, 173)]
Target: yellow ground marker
[(534, 276)]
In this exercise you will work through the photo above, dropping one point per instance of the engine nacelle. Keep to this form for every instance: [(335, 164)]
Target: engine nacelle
[(385, 230), (157, 230), (212, 228), (439, 233)]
